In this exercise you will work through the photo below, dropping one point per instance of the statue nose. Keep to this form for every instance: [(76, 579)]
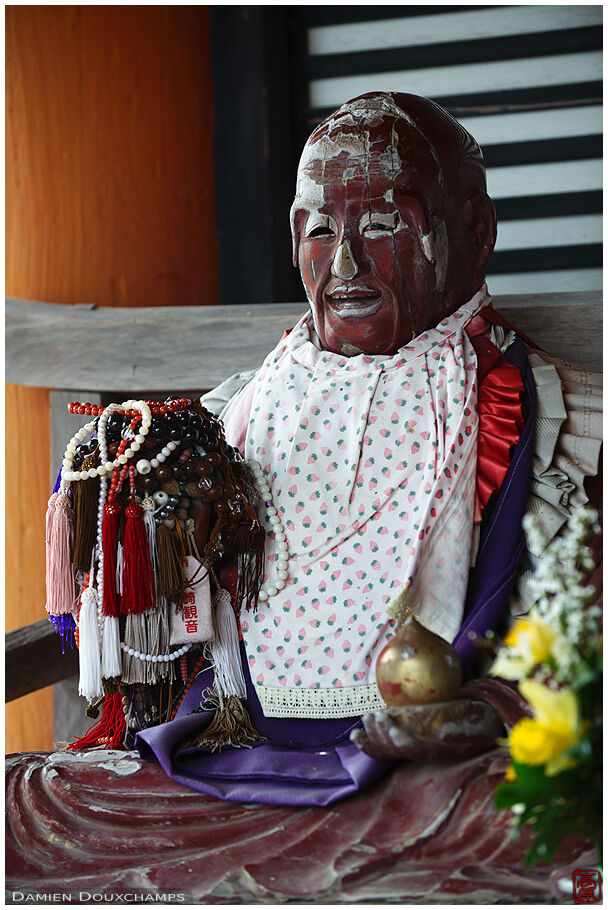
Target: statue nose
[(344, 265)]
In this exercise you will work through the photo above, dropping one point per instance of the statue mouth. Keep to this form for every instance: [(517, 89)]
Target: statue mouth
[(354, 301)]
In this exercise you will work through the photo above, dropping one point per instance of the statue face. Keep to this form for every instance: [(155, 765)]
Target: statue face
[(369, 226)]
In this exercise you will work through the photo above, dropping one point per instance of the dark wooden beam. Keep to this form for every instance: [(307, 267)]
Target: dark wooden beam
[(34, 659), (254, 159)]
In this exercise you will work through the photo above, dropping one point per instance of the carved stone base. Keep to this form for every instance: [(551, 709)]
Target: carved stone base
[(108, 823)]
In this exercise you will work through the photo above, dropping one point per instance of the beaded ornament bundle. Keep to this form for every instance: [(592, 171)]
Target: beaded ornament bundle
[(152, 505)]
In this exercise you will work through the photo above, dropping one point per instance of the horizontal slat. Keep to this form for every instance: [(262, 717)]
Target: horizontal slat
[(539, 151), (545, 232), (547, 282), (531, 125), (457, 26), (34, 659), (454, 53), (177, 348), (449, 53), (498, 101), (587, 202), (312, 16), (532, 259), (437, 81), (539, 179)]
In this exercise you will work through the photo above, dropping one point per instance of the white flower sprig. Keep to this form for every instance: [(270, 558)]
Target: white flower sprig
[(561, 596)]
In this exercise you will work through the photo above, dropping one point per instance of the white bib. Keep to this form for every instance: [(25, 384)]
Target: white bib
[(371, 462)]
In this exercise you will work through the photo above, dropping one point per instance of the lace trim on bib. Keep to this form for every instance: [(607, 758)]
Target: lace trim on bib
[(345, 701)]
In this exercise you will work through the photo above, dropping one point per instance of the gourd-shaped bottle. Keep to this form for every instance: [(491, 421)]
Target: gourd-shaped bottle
[(417, 667)]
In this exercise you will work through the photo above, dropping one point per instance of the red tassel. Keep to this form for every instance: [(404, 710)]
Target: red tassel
[(109, 730), (109, 542), (137, 578)]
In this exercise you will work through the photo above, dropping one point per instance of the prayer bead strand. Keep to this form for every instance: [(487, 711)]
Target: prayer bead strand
[(106, 466), (155, 658), (271, 590)]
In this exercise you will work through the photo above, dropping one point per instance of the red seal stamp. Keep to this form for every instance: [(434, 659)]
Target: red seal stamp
[(587, 886)]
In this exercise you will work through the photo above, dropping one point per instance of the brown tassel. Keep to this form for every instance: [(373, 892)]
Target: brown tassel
[(85, 495), (231, 727), (170, 581), (251, 568)]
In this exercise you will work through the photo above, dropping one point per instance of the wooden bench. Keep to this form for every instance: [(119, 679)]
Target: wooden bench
[(103, 354), (374, 847)]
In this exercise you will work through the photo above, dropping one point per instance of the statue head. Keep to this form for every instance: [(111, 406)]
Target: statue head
[(391, 223)]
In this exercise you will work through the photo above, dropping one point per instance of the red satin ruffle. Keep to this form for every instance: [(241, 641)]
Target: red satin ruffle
[(501, 420)]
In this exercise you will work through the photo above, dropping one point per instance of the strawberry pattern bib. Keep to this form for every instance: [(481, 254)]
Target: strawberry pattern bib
[(371, 464)]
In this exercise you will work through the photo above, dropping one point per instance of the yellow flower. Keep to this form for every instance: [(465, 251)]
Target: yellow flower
[(528, 643), (510, 774), (544, 739)]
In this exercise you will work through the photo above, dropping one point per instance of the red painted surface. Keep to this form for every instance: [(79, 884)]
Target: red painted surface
[(111, 823), (118, 825)]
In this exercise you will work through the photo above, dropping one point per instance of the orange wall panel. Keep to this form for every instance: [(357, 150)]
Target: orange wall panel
[(109, 199), (109, 155), (26, 497), (29, 720)]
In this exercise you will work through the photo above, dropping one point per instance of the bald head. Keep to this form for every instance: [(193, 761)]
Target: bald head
[(407, 164)]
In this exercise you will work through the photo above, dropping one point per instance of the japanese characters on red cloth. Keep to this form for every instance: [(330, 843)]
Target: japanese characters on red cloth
[(371, 462)]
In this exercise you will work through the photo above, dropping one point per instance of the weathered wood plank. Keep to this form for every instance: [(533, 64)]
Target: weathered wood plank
[(153, 348), (34, 659), (573, 333), (159, 348), (69, 719)]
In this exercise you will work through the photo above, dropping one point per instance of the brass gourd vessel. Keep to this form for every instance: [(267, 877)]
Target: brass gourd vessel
[(417, 667)]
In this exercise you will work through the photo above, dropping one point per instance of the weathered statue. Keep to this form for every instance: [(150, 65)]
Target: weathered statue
[(382, 428), (391, 435)]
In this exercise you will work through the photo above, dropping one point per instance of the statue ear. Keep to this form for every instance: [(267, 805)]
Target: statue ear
[(480, 224), (295, 247), (295, 235)]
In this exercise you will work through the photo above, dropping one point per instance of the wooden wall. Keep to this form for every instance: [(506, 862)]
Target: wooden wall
[(109, 199)]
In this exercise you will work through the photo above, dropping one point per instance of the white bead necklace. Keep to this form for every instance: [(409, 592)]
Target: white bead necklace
[(271, 590), (155, 658), (103, 492), (106, 467)]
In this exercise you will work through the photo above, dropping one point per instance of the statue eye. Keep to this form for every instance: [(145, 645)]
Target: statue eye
[(382, 224), (321, 230)]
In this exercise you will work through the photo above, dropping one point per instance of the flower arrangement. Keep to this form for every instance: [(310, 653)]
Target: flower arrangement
[(554, 781)]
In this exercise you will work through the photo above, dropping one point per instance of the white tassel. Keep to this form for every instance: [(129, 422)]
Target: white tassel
[(111, 664), (225, 651), (88, 643)]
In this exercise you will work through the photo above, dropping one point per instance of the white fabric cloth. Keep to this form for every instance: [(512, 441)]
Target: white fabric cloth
[(567, 446), (371, 462)]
